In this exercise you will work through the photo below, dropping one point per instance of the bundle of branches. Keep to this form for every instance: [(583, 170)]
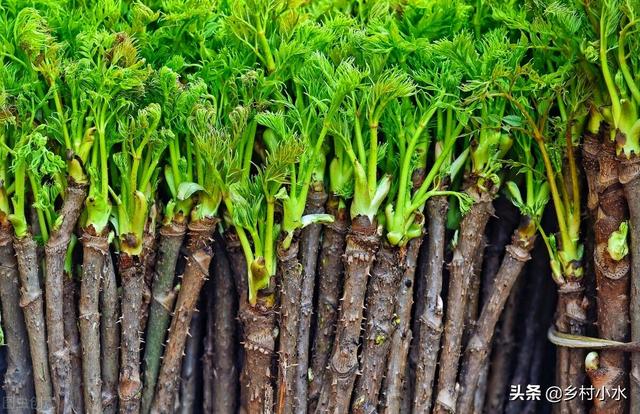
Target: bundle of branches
[(286, 190)]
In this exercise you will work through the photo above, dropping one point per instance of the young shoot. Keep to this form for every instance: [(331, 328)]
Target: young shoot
[(254, 209), (142, 145)]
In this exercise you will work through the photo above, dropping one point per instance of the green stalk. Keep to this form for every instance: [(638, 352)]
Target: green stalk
[(624, 67), (362, 155), (608, 79), (264, 45), (44, 228), (309, 171), (421, 195), (553, 187), (63, 121), (567, 242), (18, 218), (248, 149), (406, 161), (372, 166), (104, 166), (269, 237)]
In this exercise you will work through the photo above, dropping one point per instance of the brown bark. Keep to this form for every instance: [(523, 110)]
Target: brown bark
[(225, 379), (571, 318), (309, 246), (629, 174), (420, 298), (199, 256), (148, 257), (361, 246), (31, 304), (517, 254), (164, 296), (602, 377), (259, 323), (473, 293), (500, 368), (395, 383), (208, 353), (238, 265), (330, 272), (612, 276), (499, 232), (290, 277), (72, 337), (110, 336), (379, 327), (189, 377), (55, 251), (601, 170), (129, 385), (58, 352), (18, 379), (471, 233), (431, 319), (481, 389), (612, 279), (95, 252)]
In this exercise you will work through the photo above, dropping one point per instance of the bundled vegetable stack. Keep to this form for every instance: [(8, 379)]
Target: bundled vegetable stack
[(332, 206)]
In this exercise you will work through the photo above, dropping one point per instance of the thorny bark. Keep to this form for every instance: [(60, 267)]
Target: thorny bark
[(190, 371), (473, 307), (110, 335), (224, 387), (473, 295), (31, 304), (517, 254), (471, 233), (629, 173), (55, 251), (420, 298), (18, 379), (330, 272), (290, 277), (612, 276), (148, 257), (259, 323), (419, 289), (379, 327), (72, 337), (95, 252), (130, 386), (199, 255), (395, 382), (163, 299), (431, 318), (361, 246), (309, 246)]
